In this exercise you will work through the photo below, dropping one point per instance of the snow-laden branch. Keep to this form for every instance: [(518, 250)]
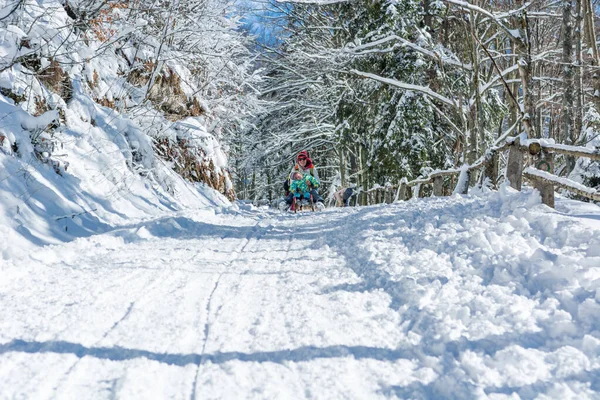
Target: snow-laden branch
[(513, 33), (493, 82), (541, 56), (511, 13), (376, 51), (539, 14), (408, 86), (373, 44), (441, 58), (288, 86)]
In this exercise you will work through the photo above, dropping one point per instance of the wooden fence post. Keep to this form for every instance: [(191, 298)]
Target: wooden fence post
[(546, 189), (452, 185), (514, 168), (465, 188), (402, 190), (462, 184), (491, 170), (362, 196), (419, 190), (438, 186)]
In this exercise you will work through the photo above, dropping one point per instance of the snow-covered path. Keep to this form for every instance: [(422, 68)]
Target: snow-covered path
[(477, 297)]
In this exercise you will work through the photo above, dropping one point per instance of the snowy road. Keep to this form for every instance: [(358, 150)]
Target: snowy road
[(483, 297)]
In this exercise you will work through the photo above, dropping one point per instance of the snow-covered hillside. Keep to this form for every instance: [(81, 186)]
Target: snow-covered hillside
[(86, 184), (104, 121), (483, 296)]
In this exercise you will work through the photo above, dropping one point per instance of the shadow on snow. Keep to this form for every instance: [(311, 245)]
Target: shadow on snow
[(116, 353)]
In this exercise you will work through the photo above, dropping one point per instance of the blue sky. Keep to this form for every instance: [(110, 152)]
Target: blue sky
[(258, 17)]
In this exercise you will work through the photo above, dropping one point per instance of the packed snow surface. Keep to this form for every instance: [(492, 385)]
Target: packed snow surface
[(489, 295)]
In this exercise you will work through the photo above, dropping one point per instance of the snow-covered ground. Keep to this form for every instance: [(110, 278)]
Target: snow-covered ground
[(484, 296)]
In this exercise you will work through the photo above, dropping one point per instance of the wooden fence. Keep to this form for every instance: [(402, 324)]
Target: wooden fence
[(539, 155)]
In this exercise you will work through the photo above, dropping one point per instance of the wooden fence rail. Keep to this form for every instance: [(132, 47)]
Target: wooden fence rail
[(540, 173)]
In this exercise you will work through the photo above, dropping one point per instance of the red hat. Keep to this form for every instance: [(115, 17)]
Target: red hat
[(303, 155)]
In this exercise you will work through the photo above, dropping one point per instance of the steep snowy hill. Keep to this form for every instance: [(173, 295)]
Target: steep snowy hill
[(85, 183), (103, 121), (484, 296)]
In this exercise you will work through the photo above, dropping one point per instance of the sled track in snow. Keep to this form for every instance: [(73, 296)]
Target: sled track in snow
[(111, 329), (209, 303)]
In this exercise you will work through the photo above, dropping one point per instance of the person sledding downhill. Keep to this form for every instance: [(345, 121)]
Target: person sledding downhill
[(302, 187), (305, 166)]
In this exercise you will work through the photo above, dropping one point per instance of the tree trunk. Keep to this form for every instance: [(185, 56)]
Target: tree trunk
[(491, 170), (575, 133), (342, 167), (427, 17), (363, 174), (591, 40), (354, 167), (475, 123), (578, 117), (253, 187), (514, 110), (402, 191), (546, 189), (567, 59), (270, 191), (525, 62)]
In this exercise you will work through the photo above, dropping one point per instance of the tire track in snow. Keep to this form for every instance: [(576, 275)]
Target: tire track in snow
[(88, 298), (208, 312), (289, 366), (119, 321), (288, 250), (246, 282), (76, 363), (153, 285), (208, 307)]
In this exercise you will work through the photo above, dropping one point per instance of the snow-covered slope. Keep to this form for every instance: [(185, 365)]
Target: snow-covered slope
[(83, 146), (85, 182), (97, 192), (484, 296)]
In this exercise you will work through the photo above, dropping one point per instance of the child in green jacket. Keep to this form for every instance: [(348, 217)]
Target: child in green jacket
[(302, 184)]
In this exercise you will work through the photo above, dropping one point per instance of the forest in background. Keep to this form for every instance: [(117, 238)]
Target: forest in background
[(385, 89), (375, 90)]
